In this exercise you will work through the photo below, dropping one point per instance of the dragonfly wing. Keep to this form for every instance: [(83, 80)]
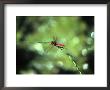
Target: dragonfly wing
[(46, 51), (43, 42), (55, 38)]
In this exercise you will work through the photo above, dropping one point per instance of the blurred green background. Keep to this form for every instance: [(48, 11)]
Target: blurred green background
[(75, 32)]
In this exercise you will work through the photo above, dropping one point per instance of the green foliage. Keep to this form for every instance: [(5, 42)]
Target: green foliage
[(72, 31)]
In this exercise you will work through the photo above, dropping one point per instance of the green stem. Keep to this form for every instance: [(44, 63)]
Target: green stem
[(72, 57), (77, 67)]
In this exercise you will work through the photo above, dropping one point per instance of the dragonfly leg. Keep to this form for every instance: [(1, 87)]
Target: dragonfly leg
[(60, 47), (46, 51)]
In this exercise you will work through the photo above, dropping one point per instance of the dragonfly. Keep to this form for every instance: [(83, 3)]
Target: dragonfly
[(55, 43)]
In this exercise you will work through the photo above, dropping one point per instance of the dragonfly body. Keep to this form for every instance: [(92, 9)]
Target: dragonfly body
[(57, 44)]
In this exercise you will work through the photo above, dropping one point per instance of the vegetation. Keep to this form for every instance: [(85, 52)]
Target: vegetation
[(35, 56)]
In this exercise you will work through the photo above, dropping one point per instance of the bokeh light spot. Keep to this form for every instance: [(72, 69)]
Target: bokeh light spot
[(92, 34), (76, 40), (84, 52), (85, 66), (38, 47)]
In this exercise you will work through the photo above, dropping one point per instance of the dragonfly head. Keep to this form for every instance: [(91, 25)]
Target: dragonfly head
[(53, 43)]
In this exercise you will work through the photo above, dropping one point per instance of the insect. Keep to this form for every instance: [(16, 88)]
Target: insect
[(59, 45), (55, 43)]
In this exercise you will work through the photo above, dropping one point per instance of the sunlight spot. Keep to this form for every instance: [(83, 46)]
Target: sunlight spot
[(49, 66), (60, 63), (92, 34), (85, 66), (69, 57), (76, 40), (84, 52), (39, 48)]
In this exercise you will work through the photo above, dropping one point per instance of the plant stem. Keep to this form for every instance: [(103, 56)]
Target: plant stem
[(74, 62)]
